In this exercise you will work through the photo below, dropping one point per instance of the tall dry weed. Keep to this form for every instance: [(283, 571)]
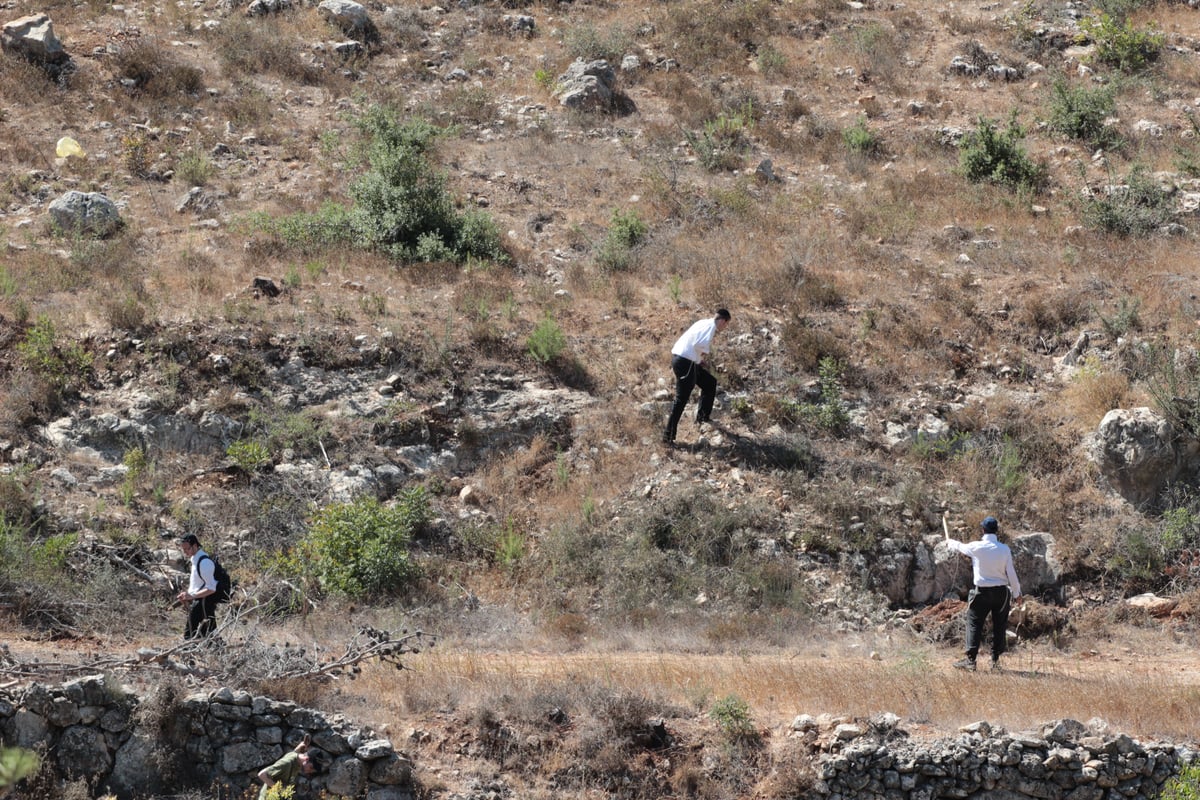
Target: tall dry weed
[(1093, 391)]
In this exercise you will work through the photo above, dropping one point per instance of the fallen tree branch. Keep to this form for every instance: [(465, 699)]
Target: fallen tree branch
[(237, 661)]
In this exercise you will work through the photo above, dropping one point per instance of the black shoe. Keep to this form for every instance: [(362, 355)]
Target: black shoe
[(996, 665), (966, 663)]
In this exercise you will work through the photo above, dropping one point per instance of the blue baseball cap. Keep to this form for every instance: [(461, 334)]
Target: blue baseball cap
[(989, 525)]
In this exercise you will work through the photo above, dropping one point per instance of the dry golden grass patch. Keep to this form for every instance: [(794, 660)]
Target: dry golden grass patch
[(1131, 692), (1093, 391)]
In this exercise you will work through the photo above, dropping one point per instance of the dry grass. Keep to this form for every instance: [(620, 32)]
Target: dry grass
[(1093, 392), (1128, 689)]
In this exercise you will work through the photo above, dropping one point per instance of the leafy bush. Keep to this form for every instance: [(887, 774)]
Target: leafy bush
[(1138, 208), (733, 717), (401, 205), (723, 143), (63, 365), (194, 168), (830, 412), (860, 139), (1119, 45), (361, 548), (1184, 786), (16, 764), (987, 154), (1081, 113), (590, 43), (248, 455), (547, 340), (1126, 318), (626, 231), (38, 560)]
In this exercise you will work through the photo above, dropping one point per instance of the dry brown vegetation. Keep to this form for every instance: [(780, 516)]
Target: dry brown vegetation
[(874, 254)]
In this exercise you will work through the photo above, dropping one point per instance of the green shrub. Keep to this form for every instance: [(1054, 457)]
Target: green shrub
[(830, 412), (546, 342), (1080, 113), (194, 168), (860, 139), (401, 205), (723, 143), (1138, 208), (65, 366), (361, 547), (987, 154), (501, 545), (301, 431), (1184, 786), (248, 455), (15, 765), (590, 43), (626, 231), (733, 717), (28, 558), (1125, 319), (1119, 45), (306, 231)]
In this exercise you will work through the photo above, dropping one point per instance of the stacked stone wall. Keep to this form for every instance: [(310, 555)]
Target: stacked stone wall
[(92, 728), (1064, 760)]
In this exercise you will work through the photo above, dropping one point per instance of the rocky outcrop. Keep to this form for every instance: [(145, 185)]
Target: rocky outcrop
[(1139, 453), (350, 18), (33, 38), (587, 85), (95, 729), (928, 571)]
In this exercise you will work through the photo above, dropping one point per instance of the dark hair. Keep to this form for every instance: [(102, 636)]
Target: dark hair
[(189, 538), (990, 525), (318, 760), (723, 313)]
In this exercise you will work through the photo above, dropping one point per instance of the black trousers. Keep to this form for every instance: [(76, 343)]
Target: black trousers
[(985, 600), (688, 375), (202, 617)]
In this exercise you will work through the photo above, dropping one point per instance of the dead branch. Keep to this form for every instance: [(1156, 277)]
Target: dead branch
[(235, 661)]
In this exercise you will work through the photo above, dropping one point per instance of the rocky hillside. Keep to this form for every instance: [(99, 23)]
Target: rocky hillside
[(306, 257)]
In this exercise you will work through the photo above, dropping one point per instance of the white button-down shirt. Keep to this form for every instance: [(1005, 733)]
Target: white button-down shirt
[(696, 341), (992, 562)]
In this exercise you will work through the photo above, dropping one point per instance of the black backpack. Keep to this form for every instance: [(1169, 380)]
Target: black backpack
[(224, 590)]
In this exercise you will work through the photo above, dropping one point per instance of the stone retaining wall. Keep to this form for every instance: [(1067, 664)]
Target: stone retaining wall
[(92, 728), (1063, 761)]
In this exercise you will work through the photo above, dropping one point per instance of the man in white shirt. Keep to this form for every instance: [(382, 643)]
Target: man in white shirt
[(689, 359), (200, 596), (996, 588)]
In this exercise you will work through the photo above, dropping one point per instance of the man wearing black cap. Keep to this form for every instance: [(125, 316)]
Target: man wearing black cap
[(996, 588), (201, 594)]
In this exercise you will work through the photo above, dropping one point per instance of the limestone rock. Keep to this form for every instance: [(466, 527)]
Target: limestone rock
[(86, 213)]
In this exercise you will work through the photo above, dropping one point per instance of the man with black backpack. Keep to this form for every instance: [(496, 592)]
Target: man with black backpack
[(204, 590)]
